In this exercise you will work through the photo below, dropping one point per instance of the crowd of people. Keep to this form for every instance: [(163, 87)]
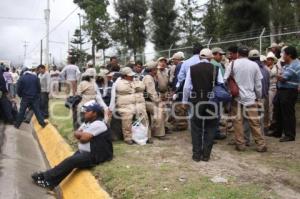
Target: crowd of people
[(166, 95)]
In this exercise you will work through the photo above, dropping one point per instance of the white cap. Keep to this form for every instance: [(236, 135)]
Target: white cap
[(254, 53), (274, 45), (178, 55), (88, 73), (151, 65), (206, 53)]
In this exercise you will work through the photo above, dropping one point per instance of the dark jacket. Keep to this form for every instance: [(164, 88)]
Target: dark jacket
[(29, 86), (2, 83), (101, 147), (266, 78)]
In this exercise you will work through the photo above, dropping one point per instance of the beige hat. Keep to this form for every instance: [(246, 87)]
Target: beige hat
[(88, 73), (206, 53), (218, 50), (273, 45), (178, 55), (103, 72), (111, 74), (254, 53), (127, 71), (263, 58), (162, 58), (272, 56), (151, 65)]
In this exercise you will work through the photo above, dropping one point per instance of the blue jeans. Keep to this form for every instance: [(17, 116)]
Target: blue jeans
[(34, 104)]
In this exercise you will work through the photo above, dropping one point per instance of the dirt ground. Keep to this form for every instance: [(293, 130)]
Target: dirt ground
[(165, 169)]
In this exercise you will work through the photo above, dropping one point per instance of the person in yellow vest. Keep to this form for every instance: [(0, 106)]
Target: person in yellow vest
[(154, 111), (128, 100)]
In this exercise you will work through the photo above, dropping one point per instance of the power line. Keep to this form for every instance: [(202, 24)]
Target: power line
[(20, 18), (53, 29)]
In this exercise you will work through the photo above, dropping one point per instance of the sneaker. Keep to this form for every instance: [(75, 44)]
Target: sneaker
[(240, 148), (262, 149), (42, 182), (37, 176), (205, 158), (220, 137), (162, 138)]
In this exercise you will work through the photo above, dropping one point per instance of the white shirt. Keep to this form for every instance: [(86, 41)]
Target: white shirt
[(113, 96), (95, 128), (248, 78), (70, 73), (55, 75), (15, 77)]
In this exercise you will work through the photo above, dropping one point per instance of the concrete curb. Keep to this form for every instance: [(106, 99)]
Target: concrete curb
[(79, 184)]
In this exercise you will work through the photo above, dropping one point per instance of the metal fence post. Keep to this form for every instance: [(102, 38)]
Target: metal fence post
[(260, 39), (170, 50), (209, 41)]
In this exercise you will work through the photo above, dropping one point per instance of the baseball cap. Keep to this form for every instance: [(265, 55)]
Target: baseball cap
[(103, 72), (151, 65), (243, 50), (218, 50), (91, 106), (127, 71), (254, 53), (178, 55), (206, 53), (263, 58)]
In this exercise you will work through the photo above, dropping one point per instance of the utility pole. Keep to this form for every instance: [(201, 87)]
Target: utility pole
[(25, 49), (41, 55), (80, 37), (47, 19)]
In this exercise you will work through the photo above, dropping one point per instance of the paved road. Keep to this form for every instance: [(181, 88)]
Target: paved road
[(20, 156)]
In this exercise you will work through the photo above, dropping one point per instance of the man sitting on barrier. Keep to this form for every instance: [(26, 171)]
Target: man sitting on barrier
[(95, 146)]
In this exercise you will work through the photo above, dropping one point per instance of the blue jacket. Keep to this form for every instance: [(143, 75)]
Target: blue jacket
[(291, 75), (29, 86), (266, 78)]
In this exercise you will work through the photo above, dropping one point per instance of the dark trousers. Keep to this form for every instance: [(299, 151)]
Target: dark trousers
[(79, 160), (34, 105), (284, 112), (203, 131), (6, 109), (45, 104)]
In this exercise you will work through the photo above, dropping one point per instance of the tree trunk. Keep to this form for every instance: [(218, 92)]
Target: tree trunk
[(271, 23), (134, 55), (103, 51), (93, 53)]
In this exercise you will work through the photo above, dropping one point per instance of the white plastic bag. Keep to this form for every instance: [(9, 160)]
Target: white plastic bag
[(139, 133)]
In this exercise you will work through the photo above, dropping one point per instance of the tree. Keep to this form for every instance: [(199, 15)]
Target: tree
[(129, 29), (213, 20), (75, 52), (189, 22), (97, 23), (246, 15), (164, 30)]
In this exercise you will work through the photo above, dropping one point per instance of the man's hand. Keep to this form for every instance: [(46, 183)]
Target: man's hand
[(77, 134), (280, 78)]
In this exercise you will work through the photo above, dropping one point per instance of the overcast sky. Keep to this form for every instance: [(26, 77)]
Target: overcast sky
[(14, 31)]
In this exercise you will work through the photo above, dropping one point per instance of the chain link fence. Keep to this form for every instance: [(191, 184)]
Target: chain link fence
[(260, 40)]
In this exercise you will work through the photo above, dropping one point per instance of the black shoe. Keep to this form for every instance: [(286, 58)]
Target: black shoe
[(16, 126), (275, 135), (196, 157), (205, 158), (41, 182), (162, 138), (37, 176), (220, 137), (150, 141), (46, 123), (286, 139)]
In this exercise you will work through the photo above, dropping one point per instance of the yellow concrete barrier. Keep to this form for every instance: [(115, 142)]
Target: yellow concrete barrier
[(79, 184)]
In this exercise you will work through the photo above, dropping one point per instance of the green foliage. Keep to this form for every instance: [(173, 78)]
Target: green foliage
[(189, 22), (80, 55), (164, 18), (129, 27)]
